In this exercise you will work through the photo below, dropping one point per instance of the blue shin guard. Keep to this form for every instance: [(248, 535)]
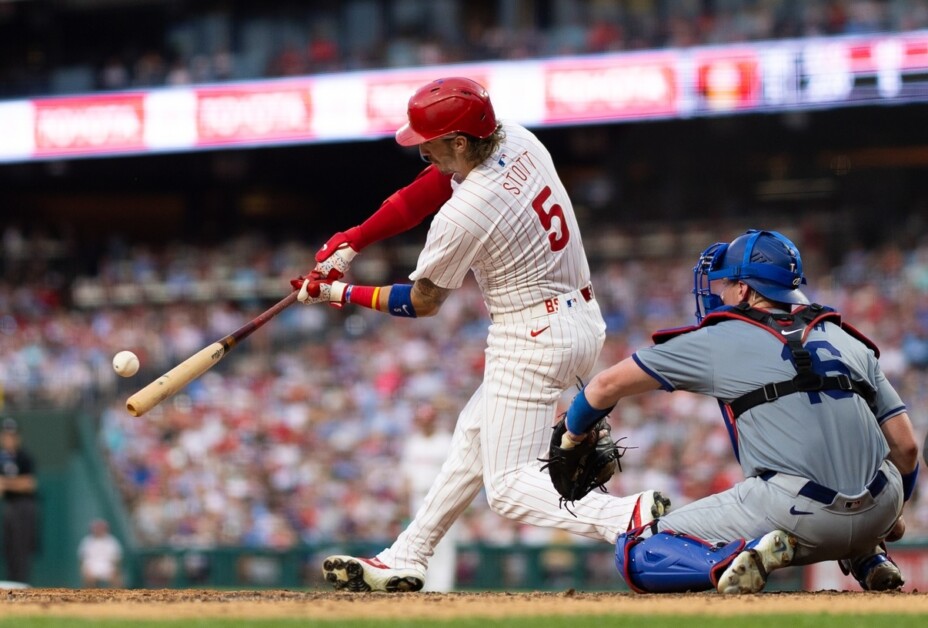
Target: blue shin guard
[(671, 563)]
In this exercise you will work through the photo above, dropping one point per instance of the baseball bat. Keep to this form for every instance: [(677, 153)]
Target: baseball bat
[(200, 362)]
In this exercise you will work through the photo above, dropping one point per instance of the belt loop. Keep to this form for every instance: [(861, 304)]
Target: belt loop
[(819, 493), (878, 484)]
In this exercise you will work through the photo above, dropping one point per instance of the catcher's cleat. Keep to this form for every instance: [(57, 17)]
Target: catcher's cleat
[(363, 575), (650, 506), (749, 571), (875, 573)]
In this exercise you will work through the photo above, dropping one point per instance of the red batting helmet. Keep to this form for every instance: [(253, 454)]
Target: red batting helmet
[(449, 105)]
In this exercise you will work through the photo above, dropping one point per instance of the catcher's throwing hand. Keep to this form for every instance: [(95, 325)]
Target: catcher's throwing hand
[(576, 468), (897, 532)]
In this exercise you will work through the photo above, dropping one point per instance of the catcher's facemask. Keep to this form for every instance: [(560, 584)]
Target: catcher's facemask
[(709, 260)]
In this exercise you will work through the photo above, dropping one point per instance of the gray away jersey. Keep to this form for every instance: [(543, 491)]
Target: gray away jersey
[(831, 437)]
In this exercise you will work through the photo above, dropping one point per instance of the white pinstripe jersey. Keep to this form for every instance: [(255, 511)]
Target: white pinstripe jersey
[(512, 223)]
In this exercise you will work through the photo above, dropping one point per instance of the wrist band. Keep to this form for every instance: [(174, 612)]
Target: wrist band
[(337, 292), (908, 483), (400, 301), (361, 295), (581, 416)]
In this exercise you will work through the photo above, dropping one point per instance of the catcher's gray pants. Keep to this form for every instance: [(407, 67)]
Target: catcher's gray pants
[(849, 526)]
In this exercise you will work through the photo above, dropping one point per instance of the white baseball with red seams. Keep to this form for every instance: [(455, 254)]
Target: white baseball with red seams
[(126, 364), (512, 223)]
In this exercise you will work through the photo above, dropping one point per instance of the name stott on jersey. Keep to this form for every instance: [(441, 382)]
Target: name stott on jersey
[(839, 445), (535, 251)]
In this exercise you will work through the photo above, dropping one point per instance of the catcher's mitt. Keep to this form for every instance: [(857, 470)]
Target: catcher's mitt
[(587, 465)]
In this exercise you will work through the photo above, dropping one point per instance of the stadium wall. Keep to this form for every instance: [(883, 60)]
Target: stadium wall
[(74, 489)]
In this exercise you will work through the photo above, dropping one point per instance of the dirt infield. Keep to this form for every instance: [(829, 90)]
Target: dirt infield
[(178, 604)]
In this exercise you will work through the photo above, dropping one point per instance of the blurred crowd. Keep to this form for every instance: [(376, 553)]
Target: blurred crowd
[(183, 43), (296, 438)]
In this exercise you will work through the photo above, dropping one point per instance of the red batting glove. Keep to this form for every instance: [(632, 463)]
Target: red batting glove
[(323, 291), (297, 282), (334, 258), (337, 241)]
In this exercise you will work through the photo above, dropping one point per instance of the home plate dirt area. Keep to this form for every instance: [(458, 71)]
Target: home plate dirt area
[(178, 604)]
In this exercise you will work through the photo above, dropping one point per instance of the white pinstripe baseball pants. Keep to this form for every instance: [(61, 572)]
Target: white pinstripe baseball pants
[(506, 426)]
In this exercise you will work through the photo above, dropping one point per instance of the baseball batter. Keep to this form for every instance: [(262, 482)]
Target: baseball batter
[(825, 443), (503, 214)]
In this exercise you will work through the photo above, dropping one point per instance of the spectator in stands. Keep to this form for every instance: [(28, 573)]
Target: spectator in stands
[(100, 555), (179, 72), (150, 70), (330, 43), (114, 74)]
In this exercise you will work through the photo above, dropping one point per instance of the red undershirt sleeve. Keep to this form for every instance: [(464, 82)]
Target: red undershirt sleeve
[(404, 209)]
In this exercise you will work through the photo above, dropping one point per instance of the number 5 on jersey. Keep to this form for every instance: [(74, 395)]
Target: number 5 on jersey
[(558, 240)]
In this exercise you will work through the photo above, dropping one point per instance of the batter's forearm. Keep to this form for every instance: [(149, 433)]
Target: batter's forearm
[(427, 297)]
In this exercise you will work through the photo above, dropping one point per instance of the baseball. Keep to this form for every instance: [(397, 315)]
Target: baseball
[(126, 363)]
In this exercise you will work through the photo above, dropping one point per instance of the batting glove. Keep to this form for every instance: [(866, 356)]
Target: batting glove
[(322, 291), (297, 282), (334, 258)]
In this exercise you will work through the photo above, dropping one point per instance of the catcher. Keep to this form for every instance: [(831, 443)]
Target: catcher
[(825, 443)]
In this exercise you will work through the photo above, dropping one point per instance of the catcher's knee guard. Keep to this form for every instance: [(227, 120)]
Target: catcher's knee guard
[(667, 562)]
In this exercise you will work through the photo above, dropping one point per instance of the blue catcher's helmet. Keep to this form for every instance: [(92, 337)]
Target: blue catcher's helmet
[(765, 260)]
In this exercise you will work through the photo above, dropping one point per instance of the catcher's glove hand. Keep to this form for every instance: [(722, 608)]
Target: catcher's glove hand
[(589, 464)]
